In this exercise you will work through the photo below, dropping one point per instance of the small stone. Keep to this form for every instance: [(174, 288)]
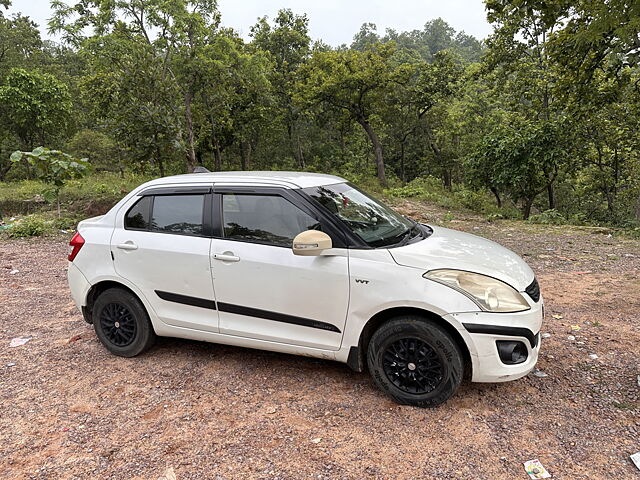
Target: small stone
[(12, 364), (593, 356), (18, 341), (571, 338), (316, 440), (14, 271), (546, 335), (539, 374)]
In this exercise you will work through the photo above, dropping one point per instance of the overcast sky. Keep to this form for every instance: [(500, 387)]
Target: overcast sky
[(333, 21)]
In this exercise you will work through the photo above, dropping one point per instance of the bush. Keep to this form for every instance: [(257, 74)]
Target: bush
[(30, 226), (548, 217)]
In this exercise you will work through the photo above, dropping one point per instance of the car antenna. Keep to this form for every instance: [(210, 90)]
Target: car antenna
[(200, 169)]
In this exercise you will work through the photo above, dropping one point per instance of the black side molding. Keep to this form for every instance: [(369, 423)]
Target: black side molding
[(276, 317), (187, 300), (248, 311), (500, 330)]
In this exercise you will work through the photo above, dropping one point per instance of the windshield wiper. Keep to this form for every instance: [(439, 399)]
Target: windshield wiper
[(411, 233)]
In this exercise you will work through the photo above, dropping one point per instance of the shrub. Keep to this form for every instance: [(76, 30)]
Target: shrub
[(30, 226), (548, 217)]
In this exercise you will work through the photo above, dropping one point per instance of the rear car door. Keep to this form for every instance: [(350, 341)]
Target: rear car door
[(161, 244), (263, 290)]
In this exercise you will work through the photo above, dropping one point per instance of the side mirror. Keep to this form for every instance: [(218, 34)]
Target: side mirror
[(311, 243)]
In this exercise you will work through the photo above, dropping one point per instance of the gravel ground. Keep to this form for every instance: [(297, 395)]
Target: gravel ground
[(69, 409)]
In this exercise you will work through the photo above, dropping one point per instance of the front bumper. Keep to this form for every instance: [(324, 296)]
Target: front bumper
[(481, 330)]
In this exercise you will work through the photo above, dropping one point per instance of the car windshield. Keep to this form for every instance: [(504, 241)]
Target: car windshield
[(375, 223)]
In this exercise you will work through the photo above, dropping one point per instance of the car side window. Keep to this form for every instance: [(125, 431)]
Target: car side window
[(180, 214), (137, 218), (269, 219)]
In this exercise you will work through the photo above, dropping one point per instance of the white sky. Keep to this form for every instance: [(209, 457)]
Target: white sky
[(333, 21)]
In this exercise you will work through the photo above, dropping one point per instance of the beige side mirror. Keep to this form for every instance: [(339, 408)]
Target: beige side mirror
[(311, 243)]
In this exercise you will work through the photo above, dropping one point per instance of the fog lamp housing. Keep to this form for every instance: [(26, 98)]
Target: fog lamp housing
[(512, 352)]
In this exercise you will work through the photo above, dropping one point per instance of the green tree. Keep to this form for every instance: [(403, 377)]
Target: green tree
[(288, 43), (19, 42), (163, 40), (354, 83), (36, 107), (516, 157)]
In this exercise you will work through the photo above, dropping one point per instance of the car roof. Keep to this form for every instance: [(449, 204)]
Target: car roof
[(289, 179)]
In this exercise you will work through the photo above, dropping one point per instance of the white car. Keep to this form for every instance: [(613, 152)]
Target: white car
[(306, 264)]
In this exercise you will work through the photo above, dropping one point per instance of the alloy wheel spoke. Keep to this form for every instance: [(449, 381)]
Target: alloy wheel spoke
[(413, 366)]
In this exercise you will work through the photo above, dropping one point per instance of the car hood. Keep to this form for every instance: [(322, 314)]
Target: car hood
[(447, 248)]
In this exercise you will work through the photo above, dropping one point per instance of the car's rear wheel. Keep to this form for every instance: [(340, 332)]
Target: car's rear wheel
[(415, 361), (121, 323)]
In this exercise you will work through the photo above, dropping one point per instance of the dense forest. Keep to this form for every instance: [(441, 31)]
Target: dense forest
[(541, 116)]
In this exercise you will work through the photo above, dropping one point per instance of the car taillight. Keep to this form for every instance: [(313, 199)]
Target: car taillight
[(76, 242)]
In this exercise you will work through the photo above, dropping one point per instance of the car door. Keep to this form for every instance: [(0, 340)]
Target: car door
[(161, 244), (263, 290)]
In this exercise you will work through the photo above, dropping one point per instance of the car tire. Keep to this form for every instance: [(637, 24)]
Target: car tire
[(415, 361), (122, 323)]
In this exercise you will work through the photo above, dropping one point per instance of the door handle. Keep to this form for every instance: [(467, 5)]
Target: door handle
[(226, 257), (127, 246)]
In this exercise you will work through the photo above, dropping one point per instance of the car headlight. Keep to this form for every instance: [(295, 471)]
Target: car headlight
[(490, 294)]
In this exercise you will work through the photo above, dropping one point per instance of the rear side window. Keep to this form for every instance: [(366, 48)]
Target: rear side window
[(137, 217), (178, 214), (269, 219)]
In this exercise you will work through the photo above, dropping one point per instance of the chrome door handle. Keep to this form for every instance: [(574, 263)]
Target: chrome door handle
[(226, 257), (127, 246)]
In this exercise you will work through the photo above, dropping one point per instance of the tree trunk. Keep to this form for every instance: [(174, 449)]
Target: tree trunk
[(191, 152), (245, 154), (446, 178), (638, 209), (496, 194), (551, 194), (526, 208), (403, 174), (377, 150), (4, 170), (301, 161), (217, 156), (159, 155)]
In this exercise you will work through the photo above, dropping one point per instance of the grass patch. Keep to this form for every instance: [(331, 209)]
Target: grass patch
[(39, 224), (25, 196)]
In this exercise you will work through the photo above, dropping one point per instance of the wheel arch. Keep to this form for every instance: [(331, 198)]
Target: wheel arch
[(97, 289), (357, 355)]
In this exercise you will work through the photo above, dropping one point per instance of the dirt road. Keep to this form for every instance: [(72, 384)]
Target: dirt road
[(71, 410)]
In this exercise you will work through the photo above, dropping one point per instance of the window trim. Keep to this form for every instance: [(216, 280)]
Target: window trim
[(205, 192), (148, 219), (290, 195)]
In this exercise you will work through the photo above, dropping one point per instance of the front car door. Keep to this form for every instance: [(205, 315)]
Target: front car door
[(263, 290), (161, 244)]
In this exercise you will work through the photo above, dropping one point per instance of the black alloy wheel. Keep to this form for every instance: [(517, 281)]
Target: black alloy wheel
[(118, 324), (121, 323), (415, 361), (413, 366)]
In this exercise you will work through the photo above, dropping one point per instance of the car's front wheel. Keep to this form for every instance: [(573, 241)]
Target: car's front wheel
[(415, 361), (121, 323)]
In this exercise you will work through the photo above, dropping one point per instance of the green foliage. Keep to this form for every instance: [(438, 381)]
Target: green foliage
[(31, 226), (548, 217), (430, 189), (54, 168), (33, 106), (542, 116), (99, 149)]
